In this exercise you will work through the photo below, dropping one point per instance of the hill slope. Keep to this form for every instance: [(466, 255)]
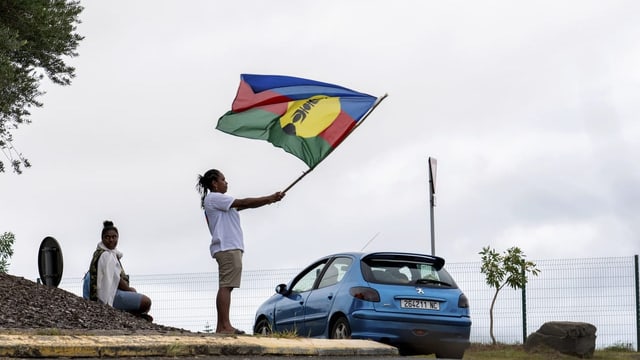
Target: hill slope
[(27, 305)]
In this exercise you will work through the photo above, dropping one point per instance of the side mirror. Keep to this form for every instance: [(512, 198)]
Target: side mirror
[(281, 289)]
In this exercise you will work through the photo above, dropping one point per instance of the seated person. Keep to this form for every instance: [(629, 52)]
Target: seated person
[(106, 280)]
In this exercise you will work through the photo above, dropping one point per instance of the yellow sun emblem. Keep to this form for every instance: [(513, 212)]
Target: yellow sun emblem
[(309, 117)]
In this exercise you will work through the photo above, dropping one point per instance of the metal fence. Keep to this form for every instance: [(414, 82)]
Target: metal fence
[(600, 291)]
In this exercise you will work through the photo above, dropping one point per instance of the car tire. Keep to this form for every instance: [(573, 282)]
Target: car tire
[(262, 327), (450, 354), (340, 329)]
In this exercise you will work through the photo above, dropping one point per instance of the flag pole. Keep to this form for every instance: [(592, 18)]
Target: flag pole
[(375, 104)]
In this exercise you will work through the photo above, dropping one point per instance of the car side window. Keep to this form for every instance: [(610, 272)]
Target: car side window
[(335, 271), (307, 279)]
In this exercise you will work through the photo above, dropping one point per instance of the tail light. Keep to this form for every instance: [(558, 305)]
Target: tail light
[(463, 302), (365, 293)]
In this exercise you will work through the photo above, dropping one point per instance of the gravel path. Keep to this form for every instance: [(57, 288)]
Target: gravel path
[(28, 306)]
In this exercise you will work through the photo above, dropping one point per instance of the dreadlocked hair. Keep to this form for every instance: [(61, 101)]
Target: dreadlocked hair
[(204, 183)]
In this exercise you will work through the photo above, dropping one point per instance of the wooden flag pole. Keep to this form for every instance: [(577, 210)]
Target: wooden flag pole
[(378, 101), (298, 179)]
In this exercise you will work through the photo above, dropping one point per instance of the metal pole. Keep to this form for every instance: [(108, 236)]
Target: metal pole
[(432, 201), (524, 308), (637, 304), (433, 236)]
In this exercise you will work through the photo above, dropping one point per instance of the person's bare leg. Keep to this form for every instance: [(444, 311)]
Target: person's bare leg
[(223, 304), (145, 304)]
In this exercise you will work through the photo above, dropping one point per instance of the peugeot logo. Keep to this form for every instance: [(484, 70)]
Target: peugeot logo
[(420, 291)]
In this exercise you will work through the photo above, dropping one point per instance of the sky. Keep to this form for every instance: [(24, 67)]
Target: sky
[(530, 109)]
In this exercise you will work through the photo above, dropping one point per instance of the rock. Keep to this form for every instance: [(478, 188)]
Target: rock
[(570, 338)]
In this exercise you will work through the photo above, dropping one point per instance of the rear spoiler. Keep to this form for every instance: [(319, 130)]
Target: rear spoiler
[(436, 261)]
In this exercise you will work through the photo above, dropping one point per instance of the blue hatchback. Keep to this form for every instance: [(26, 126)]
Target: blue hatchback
[(406, 300)]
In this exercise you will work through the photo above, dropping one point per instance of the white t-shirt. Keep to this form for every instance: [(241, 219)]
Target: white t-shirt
[(224, 223)]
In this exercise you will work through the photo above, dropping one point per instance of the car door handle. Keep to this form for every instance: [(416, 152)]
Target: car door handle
[(330, 296)]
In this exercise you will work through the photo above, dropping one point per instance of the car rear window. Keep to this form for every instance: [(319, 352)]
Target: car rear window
[(400, 271)]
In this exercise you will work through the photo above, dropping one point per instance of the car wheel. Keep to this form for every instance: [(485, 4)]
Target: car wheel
[(262, 327), (340, 329), (449, 354)]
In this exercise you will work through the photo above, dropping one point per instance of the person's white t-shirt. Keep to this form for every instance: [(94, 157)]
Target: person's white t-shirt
[(224, 223)]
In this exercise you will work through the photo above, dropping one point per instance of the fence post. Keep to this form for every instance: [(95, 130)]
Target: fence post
[(524, 309), (635, 257)]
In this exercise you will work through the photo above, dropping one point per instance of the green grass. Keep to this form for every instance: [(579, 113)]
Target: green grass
[(290, 334), (620, 347), (48, 331), (287, 334), (516, 352)]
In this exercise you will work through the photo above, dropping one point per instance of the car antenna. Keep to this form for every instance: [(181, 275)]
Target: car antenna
[(369, 242)]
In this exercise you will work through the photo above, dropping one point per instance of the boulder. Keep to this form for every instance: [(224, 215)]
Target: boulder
[(570, 338)]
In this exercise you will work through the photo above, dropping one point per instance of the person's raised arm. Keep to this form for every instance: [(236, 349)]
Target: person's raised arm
[(255, 202)]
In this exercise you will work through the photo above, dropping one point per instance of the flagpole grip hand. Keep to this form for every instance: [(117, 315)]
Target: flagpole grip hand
[(275, 197)]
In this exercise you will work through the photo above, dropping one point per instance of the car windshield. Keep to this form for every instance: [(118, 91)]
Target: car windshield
[(409, 271)]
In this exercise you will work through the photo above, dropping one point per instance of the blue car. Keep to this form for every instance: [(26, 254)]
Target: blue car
[(402, 299)]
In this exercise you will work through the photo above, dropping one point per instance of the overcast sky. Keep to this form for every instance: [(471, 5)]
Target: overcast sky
[(530, 108)]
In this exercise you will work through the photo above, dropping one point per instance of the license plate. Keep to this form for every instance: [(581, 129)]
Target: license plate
[(419, 304)]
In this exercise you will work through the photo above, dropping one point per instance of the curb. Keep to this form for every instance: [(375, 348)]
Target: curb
[(89, 346)]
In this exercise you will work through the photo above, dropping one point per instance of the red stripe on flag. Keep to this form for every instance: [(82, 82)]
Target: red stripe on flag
[(246, 98), (338, 130)]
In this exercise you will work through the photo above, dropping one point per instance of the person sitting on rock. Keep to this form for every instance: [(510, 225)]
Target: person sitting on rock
[(106, 280)]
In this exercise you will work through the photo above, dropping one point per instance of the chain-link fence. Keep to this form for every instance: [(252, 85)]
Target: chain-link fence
[(600, 291)]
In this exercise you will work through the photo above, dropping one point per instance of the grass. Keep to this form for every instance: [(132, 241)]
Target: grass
[(291, 334), (176, 349), (516, 352), (49, 331), (287, 334)]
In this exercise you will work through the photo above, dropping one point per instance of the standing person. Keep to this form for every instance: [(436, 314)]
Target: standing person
[(227, 243), (106, 280)]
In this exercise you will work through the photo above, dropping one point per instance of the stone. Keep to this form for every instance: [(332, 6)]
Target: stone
[(570, 338)]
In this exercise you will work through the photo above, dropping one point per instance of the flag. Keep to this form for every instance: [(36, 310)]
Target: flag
[(304, 117)]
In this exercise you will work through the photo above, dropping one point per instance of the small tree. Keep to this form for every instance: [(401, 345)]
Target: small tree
[(207, 328), (508, 269), (6, 250)]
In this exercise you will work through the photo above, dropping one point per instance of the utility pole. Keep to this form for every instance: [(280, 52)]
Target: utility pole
[(433, 163)]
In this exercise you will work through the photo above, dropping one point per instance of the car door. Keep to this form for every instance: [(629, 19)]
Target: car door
[(289, 311), (320, 300)]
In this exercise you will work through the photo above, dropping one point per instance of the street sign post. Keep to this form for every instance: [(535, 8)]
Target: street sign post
[(433, 164)]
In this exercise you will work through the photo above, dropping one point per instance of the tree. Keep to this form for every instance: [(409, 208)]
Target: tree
[(501, 270), (6, 250), (35, 35)]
